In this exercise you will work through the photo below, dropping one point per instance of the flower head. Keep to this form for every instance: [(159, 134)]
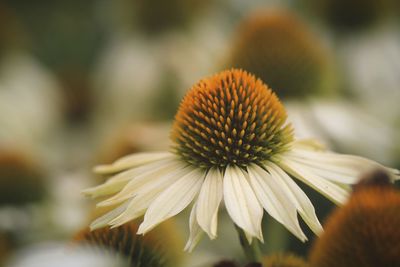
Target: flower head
[(231, 142), (124, 242), (364, 232), (230, 119), (280, 49)]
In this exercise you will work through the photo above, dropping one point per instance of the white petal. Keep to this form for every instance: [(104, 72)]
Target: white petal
[(195, 231), (241, 203), (329, 171), (349, 161), (106, 218), (298, 197), (275, 200), (173, 200), (120, 180), (329, 189), (157, 175), (249, 237), (131, 161), (210, 197), (309, 144), (146, 195)]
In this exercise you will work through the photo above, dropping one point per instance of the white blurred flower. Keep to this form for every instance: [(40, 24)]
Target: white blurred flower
[(372, 65), (60, 255), (346, 126), (29, 101)]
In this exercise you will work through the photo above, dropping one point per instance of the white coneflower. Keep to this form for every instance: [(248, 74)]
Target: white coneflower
[(231, 142)]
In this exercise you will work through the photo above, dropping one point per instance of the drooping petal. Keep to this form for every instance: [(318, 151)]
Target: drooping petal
[(156, 175), (210, 197), (329, 189), (335, 173), (275, 199), (309, 144), (297, 196), (103, 220), (146, 194), (172, 200), (343, 160), (120, 180), (241, 203), (195, 231), (131, 161)]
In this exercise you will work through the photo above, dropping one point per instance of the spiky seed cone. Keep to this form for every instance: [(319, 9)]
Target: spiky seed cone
[(230, 118), (21, 180), (350, 15), (278, 48), (125, 242), (363, 233), (284, 260)]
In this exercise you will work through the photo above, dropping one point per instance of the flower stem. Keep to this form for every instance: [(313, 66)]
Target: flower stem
[(252, 251)]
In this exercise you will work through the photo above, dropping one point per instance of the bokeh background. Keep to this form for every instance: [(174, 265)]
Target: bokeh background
[(86, 82)]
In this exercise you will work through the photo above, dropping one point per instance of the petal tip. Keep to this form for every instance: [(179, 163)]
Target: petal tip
[(101, 169)]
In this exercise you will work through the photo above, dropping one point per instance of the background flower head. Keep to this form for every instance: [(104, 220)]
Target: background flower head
[(365, 231), (278, 47)]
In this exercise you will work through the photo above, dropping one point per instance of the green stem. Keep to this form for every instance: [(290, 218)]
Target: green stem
[(252, 251)]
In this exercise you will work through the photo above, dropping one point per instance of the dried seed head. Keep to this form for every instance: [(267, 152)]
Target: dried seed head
[(230, 118)]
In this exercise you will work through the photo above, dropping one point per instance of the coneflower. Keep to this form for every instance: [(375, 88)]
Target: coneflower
[(364, 232), (279, 48), (230, 142), (123, 242)]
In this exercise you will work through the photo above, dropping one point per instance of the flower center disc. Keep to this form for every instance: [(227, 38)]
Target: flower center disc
[(230, 118)]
